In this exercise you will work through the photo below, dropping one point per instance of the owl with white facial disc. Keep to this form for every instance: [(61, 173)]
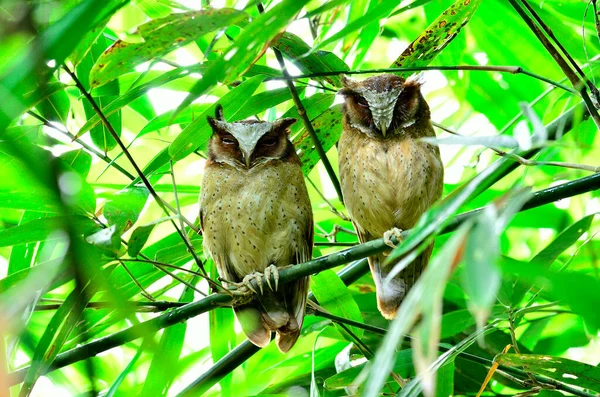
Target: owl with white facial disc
[(389, 176), (256, 217)]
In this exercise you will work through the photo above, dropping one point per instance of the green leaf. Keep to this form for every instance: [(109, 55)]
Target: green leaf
[(101, 136), (315, 62), (56, 43), (138, 239), (549, 254), (197, 133), (42, 229), (335, 297), (437, 35), (456, 322), (35, 201), (249, 46), (328, 128), (481, 276), (382, 10), (112, 392), (445, 380), (164, 366), (124, 207), (56, 106), (403, 366), (134, 93), (160, 36), (557, 368), (79, 160), (57, 332)]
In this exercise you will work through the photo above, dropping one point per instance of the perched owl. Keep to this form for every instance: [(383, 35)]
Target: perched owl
[(256, 216), (389, 177)]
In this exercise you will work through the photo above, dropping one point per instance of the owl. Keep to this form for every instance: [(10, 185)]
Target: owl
[(389, 177), (256, 217)]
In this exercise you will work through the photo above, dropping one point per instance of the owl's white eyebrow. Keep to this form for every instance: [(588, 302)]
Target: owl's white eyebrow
[(247, 135)]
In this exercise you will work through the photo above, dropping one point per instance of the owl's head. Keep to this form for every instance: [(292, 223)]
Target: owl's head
[(248, 143), (383, 105)]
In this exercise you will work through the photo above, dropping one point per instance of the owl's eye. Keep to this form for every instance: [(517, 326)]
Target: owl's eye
[(228, 140), (362, 102), (268, 141)]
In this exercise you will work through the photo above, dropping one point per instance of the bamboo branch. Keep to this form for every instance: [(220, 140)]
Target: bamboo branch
[(564, 66), (289, 274), (479, 68)]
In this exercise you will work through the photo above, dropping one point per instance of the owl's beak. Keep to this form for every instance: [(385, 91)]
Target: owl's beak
[(382, 119), (247, 157), (383, 129)]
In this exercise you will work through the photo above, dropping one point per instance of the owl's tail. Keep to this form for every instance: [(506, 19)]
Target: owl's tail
[(281, 312), (390, 295)]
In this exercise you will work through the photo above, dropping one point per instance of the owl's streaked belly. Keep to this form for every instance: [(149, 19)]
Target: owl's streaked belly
[(255, 219), (388, 183)]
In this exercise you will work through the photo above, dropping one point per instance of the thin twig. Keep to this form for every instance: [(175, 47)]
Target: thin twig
[(140, 173), (304, 116), (529, 163), (104, 157), (523, 161), (331, 206), (550, 34), (480, 68), (145, 293)]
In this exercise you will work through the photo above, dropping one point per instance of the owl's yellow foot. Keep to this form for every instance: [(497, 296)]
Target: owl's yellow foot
[(272, 271), (393, 232)]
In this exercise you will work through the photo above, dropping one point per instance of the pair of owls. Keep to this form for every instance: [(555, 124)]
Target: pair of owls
[(256, 215)]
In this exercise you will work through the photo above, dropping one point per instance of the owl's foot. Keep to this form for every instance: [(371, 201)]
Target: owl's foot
[(272, 271), (393, 232), (246, 286)]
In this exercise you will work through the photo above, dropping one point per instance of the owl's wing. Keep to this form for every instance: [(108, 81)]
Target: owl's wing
[(297, 292)]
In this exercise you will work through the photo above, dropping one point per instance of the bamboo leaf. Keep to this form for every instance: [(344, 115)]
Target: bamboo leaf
[(334, 296), (557, 368), (438, 35), (249, 46), (197, 133), (315, 62), (160, 36)]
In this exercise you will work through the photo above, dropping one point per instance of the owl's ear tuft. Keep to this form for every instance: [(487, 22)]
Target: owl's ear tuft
[(348, 82), (285, 124), (219, 113), (416, 80)]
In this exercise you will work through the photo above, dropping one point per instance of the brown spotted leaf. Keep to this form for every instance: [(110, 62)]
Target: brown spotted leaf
[(328, 127), (160, 36), (437, 35), (558, 368)]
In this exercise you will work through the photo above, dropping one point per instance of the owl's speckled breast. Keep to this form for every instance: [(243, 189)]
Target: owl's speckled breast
[(255, 218), (388, 182)]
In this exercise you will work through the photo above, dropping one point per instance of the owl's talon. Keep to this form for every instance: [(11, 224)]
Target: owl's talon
[(272, 271), (247, 282), (393, 232)]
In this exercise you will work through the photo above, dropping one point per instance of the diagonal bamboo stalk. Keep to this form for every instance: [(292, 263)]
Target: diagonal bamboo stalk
[(358, 252)]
